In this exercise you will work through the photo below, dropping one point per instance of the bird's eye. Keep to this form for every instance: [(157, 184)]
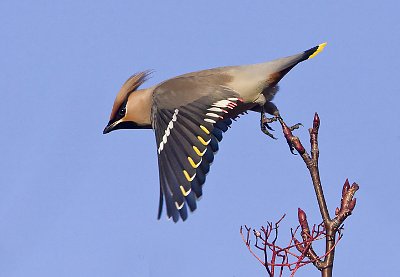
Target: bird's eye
[(122, 112)]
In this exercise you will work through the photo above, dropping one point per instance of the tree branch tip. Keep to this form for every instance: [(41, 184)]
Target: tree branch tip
[(316, 121), (279, 221), (303, 221), (301, 214), (346, 187), (355, 186)]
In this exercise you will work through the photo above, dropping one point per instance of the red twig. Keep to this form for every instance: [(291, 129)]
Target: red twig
[(329, 229)]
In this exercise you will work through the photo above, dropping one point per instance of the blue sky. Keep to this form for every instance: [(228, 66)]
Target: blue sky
[(74, 202)]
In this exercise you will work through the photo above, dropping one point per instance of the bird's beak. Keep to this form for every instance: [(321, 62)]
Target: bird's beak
[(110, 126), (120, 124)]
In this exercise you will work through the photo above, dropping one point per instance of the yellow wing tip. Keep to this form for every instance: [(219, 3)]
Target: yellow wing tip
[(319, 49)]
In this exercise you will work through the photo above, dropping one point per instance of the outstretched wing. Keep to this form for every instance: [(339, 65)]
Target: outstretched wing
[(189, 116)]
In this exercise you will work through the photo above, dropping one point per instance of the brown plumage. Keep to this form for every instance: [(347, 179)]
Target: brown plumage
[(190, 112)]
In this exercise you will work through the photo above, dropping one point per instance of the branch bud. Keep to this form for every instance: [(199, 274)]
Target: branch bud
[(302, 219), (346, 187), (316, 121)]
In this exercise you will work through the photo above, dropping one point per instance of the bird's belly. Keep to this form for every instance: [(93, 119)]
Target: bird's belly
[(249, 90), (248, 84)]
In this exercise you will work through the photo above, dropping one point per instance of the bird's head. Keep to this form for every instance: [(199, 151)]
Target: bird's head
[(132, 107)]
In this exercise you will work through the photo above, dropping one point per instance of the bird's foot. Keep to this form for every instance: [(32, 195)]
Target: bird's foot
[(265, 128), (295, 126)]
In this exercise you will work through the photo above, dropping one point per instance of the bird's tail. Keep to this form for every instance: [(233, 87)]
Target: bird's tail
[(280, 67), (311, 53)]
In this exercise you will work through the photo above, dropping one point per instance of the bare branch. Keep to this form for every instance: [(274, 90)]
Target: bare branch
[(329, 230)]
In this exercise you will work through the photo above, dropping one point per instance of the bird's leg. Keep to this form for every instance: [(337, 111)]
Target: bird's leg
[(264, 125), (273, 110)]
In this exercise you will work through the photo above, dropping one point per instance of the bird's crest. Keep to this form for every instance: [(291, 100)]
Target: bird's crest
[(132, 84)]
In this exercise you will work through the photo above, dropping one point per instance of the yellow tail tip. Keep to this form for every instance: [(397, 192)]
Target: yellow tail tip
[(319, 49)]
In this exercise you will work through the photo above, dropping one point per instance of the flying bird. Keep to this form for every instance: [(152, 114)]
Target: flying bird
[(189, 113)]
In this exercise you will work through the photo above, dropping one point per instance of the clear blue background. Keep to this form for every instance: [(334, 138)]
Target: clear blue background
[(74, 202)]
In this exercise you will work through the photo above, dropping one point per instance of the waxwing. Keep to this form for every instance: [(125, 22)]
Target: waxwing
[(189, 113)]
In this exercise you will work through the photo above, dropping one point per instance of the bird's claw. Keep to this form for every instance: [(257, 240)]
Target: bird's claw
[(268, 133), (265, 126), (268, 127), (296, 126)]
